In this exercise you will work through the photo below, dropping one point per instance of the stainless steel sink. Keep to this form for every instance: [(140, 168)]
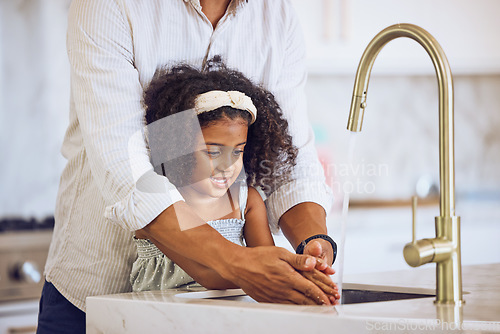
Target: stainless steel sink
[(351, 294)]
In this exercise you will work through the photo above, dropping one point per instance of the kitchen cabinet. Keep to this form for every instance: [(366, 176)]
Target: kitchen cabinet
[(337, 32), (18, 317)]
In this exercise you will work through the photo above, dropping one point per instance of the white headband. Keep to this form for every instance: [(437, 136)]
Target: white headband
[(217, 98)]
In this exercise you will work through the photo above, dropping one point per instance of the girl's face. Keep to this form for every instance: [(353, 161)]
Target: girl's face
[(219, 157)]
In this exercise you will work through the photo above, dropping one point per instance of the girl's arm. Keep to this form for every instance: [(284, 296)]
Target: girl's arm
[(256, 230)]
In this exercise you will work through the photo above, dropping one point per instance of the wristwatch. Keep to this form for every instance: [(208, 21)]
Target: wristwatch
[(303, 243)]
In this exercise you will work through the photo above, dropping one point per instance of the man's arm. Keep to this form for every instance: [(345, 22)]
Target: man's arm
[(303, 221), (267, 274), (298, 206), (204, 275), (107, 112)]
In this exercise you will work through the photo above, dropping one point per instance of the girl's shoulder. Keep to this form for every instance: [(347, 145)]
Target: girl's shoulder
[(254, 199), (254, 194)]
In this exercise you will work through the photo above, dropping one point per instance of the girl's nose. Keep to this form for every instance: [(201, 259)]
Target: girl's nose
[(226, 162)]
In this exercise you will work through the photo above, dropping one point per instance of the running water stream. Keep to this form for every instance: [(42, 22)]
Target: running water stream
[(345, 209)]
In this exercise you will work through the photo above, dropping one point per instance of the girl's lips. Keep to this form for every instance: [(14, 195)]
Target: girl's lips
[(220, 182)]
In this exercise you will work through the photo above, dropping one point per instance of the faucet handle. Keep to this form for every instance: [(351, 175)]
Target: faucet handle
[(417, 252)]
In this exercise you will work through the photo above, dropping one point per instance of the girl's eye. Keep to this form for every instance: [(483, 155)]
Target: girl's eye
[(237, 152), (212, 154)]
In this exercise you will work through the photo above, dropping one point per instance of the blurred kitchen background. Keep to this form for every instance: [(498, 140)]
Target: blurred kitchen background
[(395, 156), (396, 153)]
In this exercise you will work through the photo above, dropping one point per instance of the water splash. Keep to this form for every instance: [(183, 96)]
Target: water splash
[(345, 210)]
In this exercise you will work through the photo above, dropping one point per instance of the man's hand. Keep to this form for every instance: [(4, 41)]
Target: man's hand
[(271, 274), (324, 282)]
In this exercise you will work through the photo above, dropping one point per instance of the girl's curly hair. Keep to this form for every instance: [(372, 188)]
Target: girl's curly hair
[(269, 153)]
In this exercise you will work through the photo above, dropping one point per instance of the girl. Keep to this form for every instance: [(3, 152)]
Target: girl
[(215, 135)]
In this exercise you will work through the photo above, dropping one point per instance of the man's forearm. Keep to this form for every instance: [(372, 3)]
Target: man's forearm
[(204, 275), (180, 229), (302, 221)]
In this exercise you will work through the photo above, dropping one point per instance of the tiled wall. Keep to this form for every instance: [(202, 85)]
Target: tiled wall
[(399, 142)]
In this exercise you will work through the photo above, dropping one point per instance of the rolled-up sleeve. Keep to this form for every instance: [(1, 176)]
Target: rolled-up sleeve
[(308, 180), (106, 99)]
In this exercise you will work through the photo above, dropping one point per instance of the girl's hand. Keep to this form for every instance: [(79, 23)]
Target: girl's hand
[(324, 282), (323, 252)]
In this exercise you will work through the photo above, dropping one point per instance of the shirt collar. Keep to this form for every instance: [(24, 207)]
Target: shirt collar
[(234, 5)]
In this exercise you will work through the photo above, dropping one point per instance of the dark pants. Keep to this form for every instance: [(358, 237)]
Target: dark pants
[(57, 314)]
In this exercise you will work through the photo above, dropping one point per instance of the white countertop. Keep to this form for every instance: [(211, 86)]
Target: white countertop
[(164, 312)]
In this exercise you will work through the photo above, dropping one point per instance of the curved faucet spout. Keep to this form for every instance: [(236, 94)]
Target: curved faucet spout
[(445, 248), (445, 83)]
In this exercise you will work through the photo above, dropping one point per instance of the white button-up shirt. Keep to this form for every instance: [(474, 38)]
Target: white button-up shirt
[(114, 48)]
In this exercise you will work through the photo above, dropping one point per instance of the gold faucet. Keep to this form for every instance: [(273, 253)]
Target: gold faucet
[(444, 249)]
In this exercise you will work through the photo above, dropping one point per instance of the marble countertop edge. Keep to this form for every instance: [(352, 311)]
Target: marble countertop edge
[(480, 313)]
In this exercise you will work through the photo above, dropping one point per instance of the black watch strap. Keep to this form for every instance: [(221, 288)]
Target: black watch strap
[(303, 243)]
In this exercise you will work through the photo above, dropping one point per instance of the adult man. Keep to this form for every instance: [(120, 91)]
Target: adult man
[(114, 48)]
